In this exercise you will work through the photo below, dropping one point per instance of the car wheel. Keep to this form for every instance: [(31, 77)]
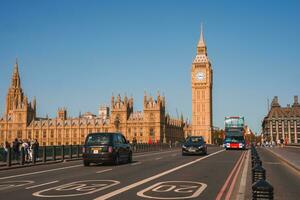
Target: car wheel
[(130, 158), (86, 163), (117, 160)]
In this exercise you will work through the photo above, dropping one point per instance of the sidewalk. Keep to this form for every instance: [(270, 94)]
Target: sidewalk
[(288, 154)]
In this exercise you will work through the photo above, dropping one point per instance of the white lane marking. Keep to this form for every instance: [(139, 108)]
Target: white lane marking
[(78, 188), (158, 158), (13, 184), (152, 154), (40, 185), (124, 189), (137, 163), (39, 172), (102, 171), (170, 189), (242, 188)]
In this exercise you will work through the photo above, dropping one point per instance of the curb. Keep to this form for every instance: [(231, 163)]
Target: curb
[(285, 160)]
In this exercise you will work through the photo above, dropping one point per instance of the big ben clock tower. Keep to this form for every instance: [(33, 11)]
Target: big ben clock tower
[(202, 82)]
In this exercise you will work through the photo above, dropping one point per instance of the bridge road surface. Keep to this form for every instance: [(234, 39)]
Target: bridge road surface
[(284, 179), (162, 175)]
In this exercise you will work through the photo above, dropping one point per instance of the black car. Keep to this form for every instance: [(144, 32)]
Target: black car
[(194, 145), (106, 148)]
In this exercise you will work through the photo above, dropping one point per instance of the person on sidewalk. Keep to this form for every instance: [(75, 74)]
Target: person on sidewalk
[(281, 142), (16, 149), (134, 143), (25, 145), (5, 152)]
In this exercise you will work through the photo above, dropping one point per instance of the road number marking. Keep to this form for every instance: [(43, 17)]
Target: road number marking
[(173, 190), (78, 188), (141, 182), (13, 184)]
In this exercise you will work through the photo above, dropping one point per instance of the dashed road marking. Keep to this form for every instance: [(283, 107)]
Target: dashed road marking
[(152, 154), (102, 171), (158, 158), (137, 163), (40, 185)]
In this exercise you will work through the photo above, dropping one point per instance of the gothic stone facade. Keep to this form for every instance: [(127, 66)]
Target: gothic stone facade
[(202, 82), (151, 125), (282, 122)]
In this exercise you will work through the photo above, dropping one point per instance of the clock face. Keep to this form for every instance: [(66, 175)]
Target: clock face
[(200, 76)]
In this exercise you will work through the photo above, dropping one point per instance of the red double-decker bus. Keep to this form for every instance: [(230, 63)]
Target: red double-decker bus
[(234, 133)]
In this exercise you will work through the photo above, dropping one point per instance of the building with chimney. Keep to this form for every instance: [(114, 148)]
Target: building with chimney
[(151, 125), (282, 122)]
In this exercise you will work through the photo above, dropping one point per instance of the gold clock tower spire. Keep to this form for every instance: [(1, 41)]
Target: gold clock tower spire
[(202, 82)]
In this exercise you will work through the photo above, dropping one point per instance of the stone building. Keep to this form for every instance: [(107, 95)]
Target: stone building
[(282, 122), (151, 125)]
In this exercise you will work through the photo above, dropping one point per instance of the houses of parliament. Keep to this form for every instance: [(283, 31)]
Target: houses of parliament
[(151, 125)]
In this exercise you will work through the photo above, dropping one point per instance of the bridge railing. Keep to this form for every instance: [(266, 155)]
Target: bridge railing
[(45, 154)]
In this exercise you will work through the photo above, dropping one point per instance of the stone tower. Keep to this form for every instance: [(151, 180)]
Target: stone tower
[(202, 82), (154, 114), (18, 111), (120, 112)]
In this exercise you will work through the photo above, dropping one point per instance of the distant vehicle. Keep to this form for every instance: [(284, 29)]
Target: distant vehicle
[(106, 148), (234, 133), (194, 145)]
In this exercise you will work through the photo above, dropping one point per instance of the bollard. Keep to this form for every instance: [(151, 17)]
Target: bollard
[(22, 160), (54, 153), (254, 154), (63, 152), (8, 159), (256, 161), (44, 154), (262, 190), (258, 173), (71, 151)]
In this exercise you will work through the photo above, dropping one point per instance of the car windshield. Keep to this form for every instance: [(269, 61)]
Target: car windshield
[(98, 139), (235, 139), (194, 139)]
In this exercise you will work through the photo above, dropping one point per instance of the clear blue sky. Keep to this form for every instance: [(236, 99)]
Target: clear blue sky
[(75, 54)]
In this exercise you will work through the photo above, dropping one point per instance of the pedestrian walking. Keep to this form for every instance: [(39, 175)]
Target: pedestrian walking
[(35, 149), (134, 143), (25, 145), (16, 149), (6, 145)]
